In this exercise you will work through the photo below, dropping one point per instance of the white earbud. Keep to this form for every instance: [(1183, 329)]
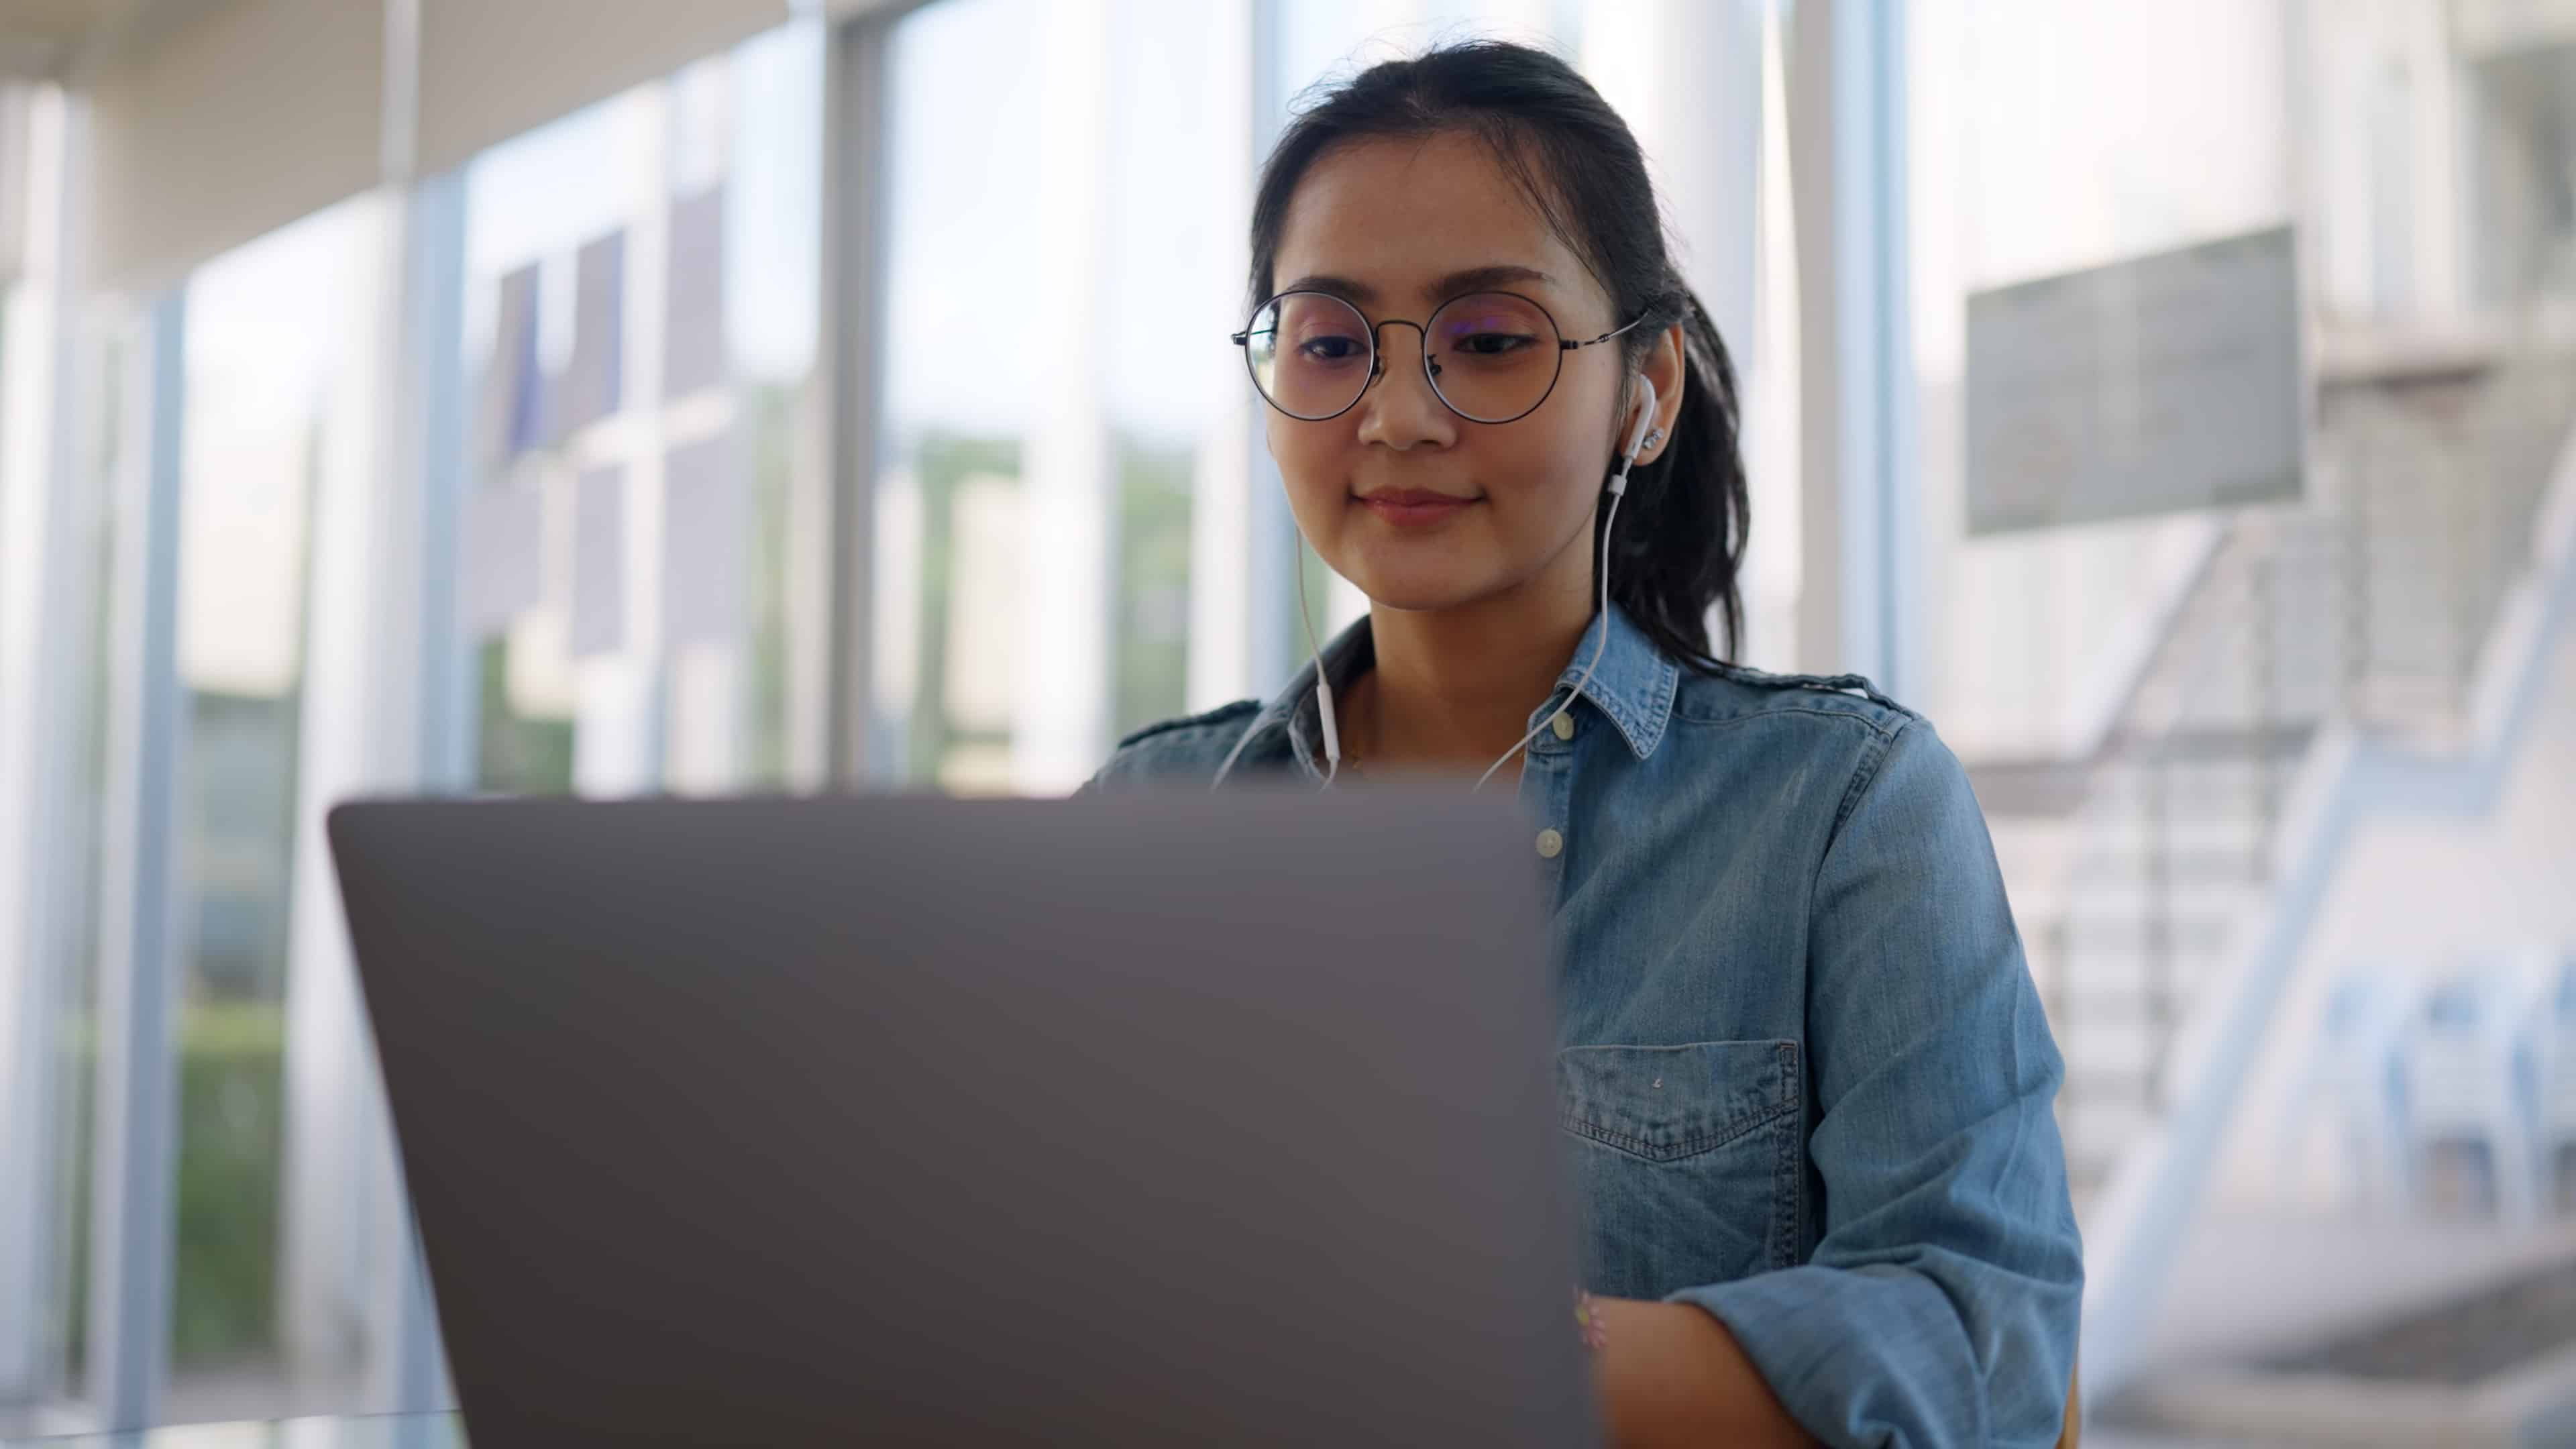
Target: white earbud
[(1639, 437)]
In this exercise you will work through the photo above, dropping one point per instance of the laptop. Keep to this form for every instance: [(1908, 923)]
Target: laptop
[(1157, 1119)]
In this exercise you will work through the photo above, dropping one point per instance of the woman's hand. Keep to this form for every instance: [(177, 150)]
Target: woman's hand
[(1670, 1374)]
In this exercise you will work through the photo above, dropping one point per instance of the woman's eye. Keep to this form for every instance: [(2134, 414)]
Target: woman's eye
[(1494, 344), (1330, 349)]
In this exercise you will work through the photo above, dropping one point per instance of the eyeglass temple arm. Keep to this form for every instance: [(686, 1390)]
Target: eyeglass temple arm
[(1604, 337)]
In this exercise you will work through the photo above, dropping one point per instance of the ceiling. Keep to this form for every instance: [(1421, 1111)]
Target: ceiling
[(63, 39)]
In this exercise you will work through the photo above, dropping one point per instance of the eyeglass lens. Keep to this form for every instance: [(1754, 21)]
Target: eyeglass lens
[(1491, 356)]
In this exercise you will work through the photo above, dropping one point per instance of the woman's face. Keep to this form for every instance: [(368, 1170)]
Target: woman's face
[(1417, 506)]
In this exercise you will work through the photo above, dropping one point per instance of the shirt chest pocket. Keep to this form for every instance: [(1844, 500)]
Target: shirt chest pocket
[(1687, 1160)]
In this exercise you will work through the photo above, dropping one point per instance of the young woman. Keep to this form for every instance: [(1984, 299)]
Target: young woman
[(1807, 1075)]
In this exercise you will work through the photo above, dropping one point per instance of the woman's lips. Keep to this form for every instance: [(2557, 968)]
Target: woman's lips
[(1415, 506)]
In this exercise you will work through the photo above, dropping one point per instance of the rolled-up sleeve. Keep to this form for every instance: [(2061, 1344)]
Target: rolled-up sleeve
[(1939, 1306)]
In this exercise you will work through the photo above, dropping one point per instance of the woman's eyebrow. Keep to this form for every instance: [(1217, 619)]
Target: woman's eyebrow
[(1479, 279), (1342, 287), (1473, 279)]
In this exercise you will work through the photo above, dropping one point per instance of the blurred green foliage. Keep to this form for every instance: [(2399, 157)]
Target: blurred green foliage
[(223, 1299)]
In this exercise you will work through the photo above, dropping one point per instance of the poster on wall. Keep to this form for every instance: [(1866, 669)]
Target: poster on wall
[(508, 406), (599, 561), (2159, 384), (590, 385), (504, 562), (704, 535), (693, 342)]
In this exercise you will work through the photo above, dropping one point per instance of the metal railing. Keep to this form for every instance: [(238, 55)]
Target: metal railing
[(2367, 604)]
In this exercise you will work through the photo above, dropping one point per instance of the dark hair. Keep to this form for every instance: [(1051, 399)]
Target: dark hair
[(1682, 543)]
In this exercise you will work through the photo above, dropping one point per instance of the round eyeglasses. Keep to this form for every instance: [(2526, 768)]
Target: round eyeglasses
[(1491, 357)]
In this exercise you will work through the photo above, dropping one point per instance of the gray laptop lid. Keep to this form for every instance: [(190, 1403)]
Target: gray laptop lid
[(1158, 1119)]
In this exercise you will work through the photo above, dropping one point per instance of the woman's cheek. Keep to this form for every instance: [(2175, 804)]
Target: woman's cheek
[(1315, 492), (1538, 500)]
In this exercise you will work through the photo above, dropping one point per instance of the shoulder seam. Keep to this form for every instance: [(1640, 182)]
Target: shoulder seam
[(1849, 686), (1859, 714), (1862, 778), (1219, 715)]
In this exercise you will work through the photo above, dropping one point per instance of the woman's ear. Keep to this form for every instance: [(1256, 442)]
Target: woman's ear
[(1663, 367)]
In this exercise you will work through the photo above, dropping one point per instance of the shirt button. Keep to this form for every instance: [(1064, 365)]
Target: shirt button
[(1564, 727), (1549, 843)]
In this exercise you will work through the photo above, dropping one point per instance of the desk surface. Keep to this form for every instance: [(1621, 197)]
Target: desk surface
[(354, 1431)]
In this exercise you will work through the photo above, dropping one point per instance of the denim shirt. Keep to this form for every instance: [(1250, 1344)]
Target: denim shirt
[(1805, 1077)]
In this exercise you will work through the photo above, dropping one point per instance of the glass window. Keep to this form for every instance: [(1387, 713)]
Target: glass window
[(642, 282), (1064, 258), (263, 348), (70, 1055), (76, 1075), (640, 338), (1071, 533)]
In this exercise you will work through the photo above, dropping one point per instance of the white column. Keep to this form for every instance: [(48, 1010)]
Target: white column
[(836, 514), (1342, 604), (1689, 77), (133, 1147), (383, 675), (1858, 538), (48, 515), (356, 737), (617, 746), (1220, 543), (381, 672), (1269, 589), (807, 562), (406, 1366), (1772, 575), (704, 712), (1220, 668), (1060, 731)]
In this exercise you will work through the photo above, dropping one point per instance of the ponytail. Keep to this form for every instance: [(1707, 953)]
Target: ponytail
[(1680, 546)]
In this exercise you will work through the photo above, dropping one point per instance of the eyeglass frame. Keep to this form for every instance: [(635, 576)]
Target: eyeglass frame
[(1377, 354)]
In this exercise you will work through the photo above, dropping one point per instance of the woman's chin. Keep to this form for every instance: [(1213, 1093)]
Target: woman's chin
[(1416, 590)]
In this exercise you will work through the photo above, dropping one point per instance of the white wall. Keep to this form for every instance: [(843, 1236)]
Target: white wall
[(2044, 138), (2421, 891)]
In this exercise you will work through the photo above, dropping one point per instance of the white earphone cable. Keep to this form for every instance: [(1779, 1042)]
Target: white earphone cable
[(1646, 435), (1589, 665), (1323, 686)]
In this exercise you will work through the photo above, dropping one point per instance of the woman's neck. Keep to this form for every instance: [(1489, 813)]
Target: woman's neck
[(1453, 688)]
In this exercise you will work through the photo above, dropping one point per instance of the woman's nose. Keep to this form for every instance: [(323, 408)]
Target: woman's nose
[(1401, 409)]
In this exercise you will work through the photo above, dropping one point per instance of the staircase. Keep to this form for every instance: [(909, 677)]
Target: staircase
[(2365, 604)]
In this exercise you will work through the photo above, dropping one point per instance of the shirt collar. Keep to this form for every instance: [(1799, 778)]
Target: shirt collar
[(1633, 684)]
